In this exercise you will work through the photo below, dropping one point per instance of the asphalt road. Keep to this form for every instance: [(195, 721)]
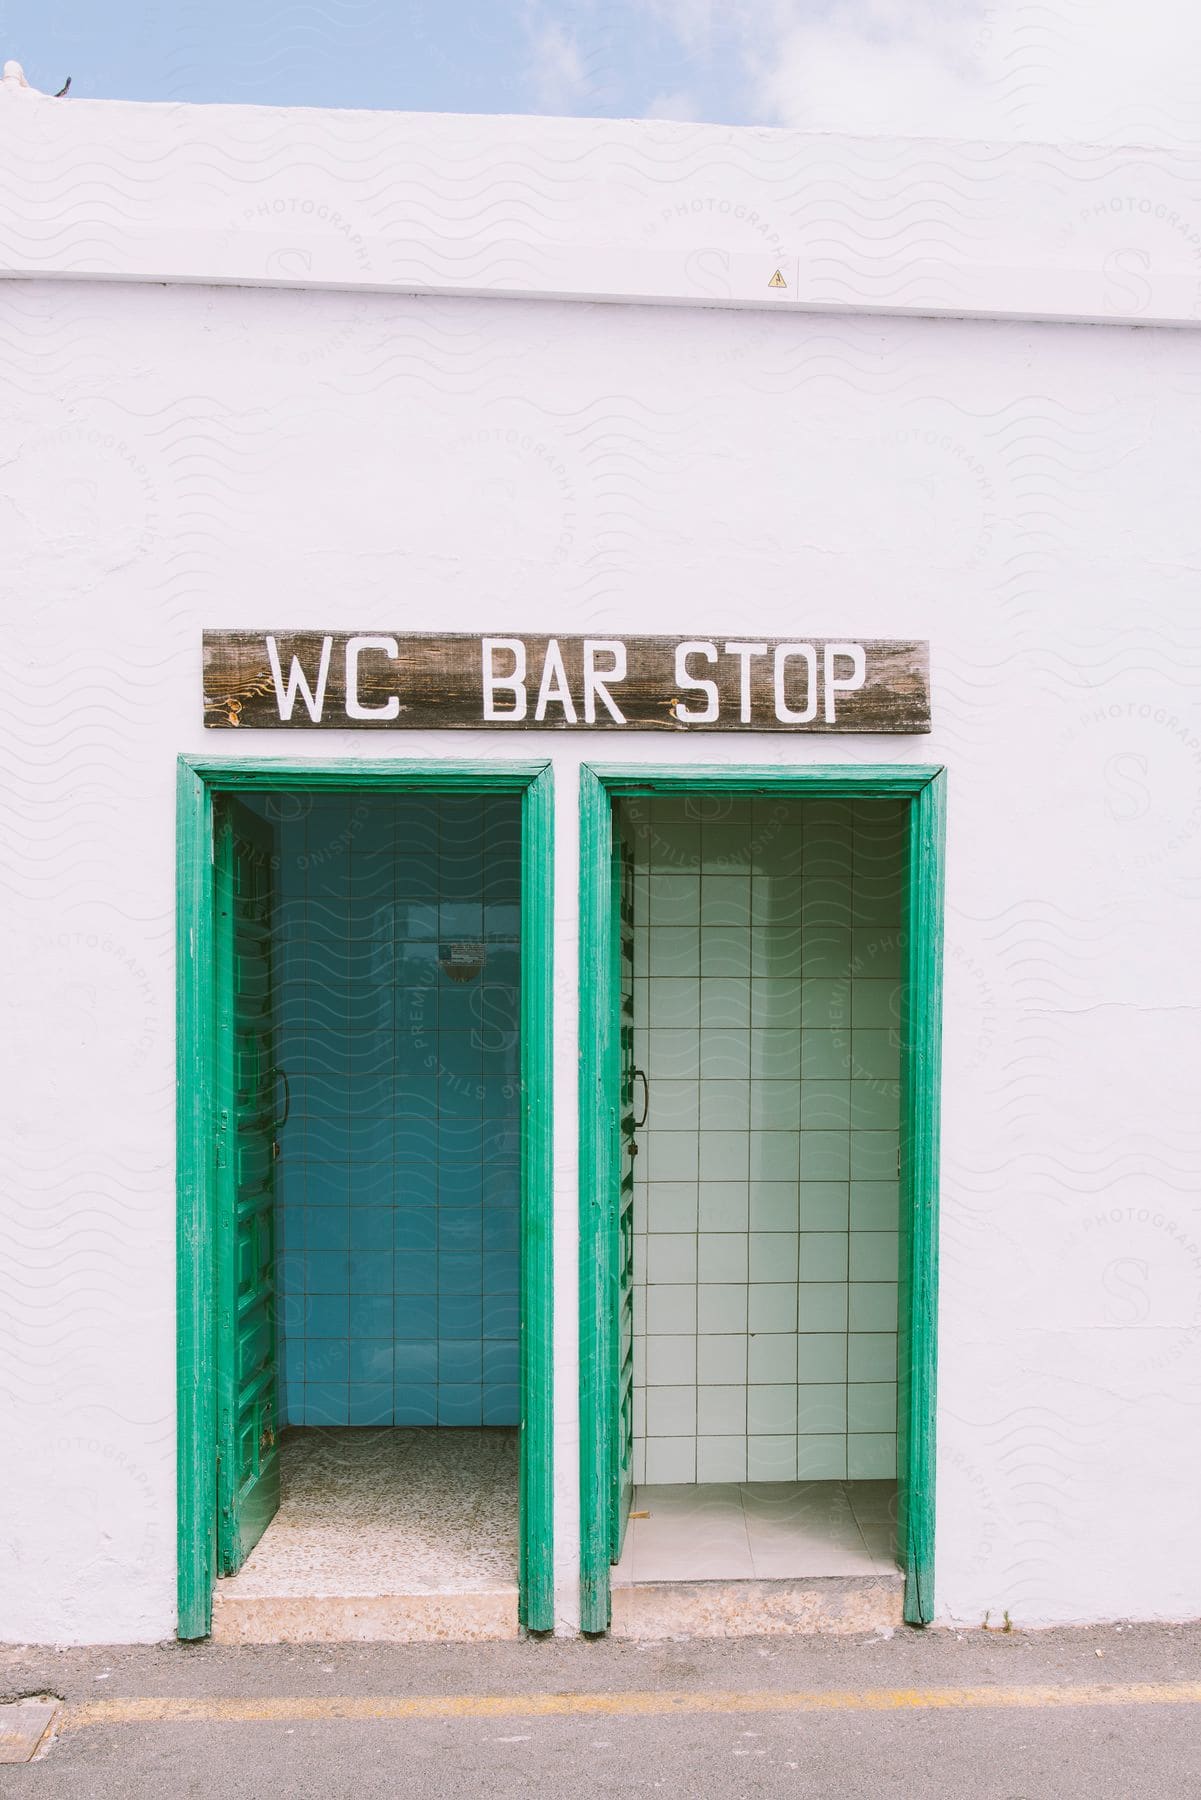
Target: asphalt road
[(919, 1714)]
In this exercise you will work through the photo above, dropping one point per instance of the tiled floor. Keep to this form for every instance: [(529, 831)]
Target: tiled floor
[(761, 1530), (389, 1512)]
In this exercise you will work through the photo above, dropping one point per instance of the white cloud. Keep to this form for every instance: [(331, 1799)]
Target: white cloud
[(696, 23), (872, 67), (555, 69), (671, 106), (1093, 71)]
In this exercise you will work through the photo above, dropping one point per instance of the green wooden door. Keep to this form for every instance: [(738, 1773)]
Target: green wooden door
[(622, 1430), (244, 856)]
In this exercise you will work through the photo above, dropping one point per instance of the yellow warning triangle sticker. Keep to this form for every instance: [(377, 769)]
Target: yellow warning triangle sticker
[(777, 280)]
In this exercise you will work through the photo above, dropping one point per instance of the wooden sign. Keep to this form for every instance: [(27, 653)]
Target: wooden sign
[(384, 681)]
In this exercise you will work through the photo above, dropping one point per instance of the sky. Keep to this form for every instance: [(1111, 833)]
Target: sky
[(1097, 71)]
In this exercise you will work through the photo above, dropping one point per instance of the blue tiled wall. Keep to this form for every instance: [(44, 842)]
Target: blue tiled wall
[(398, 1180)]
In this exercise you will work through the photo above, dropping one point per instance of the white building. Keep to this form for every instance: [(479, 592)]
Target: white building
[(649, 391)]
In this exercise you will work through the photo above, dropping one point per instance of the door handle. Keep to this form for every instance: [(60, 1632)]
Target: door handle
[(283, 1076), (639, 1075)]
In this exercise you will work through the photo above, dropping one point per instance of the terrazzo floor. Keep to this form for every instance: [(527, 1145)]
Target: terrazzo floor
[(759, 1530), (388, 1512)]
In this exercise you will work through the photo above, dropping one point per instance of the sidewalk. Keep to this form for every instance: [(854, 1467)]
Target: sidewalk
[(1108, 1711)]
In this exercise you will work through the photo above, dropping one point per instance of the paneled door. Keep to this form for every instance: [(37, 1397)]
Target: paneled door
[(622, 1434), (246, 1098)]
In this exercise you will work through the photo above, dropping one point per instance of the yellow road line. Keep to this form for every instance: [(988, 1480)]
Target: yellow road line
[(271, 1709)]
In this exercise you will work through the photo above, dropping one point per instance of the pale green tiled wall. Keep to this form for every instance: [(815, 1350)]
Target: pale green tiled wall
[(767, 1000)]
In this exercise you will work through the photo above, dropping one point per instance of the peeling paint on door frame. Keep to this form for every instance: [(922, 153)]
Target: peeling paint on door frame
[(921, 1036), (199, 780)]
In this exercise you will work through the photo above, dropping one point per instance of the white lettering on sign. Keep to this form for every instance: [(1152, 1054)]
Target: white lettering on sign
[(712, 707), (852, 653), (595, 679), (795, 715), (395, 680), (514, 681), (285, 695), (389, 709), (554, 684), (744, 653), (554, 688)]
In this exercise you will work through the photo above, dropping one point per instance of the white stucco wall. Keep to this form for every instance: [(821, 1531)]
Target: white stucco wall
[(1021, 494)]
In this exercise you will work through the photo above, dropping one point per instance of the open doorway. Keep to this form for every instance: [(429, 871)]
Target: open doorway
[(769, 1032), (360, 1441)]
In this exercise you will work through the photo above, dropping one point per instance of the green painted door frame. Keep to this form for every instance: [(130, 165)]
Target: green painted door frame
[(199, 780), (921, 1033)]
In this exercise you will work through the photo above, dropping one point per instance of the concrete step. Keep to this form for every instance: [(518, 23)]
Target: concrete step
[(447, 1618), (841, 1605)]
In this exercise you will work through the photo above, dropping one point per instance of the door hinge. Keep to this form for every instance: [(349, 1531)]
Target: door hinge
[(220, 1136), (222, 1128)]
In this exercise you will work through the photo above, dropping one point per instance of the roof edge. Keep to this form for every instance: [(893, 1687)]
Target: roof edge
[(621, 211)]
